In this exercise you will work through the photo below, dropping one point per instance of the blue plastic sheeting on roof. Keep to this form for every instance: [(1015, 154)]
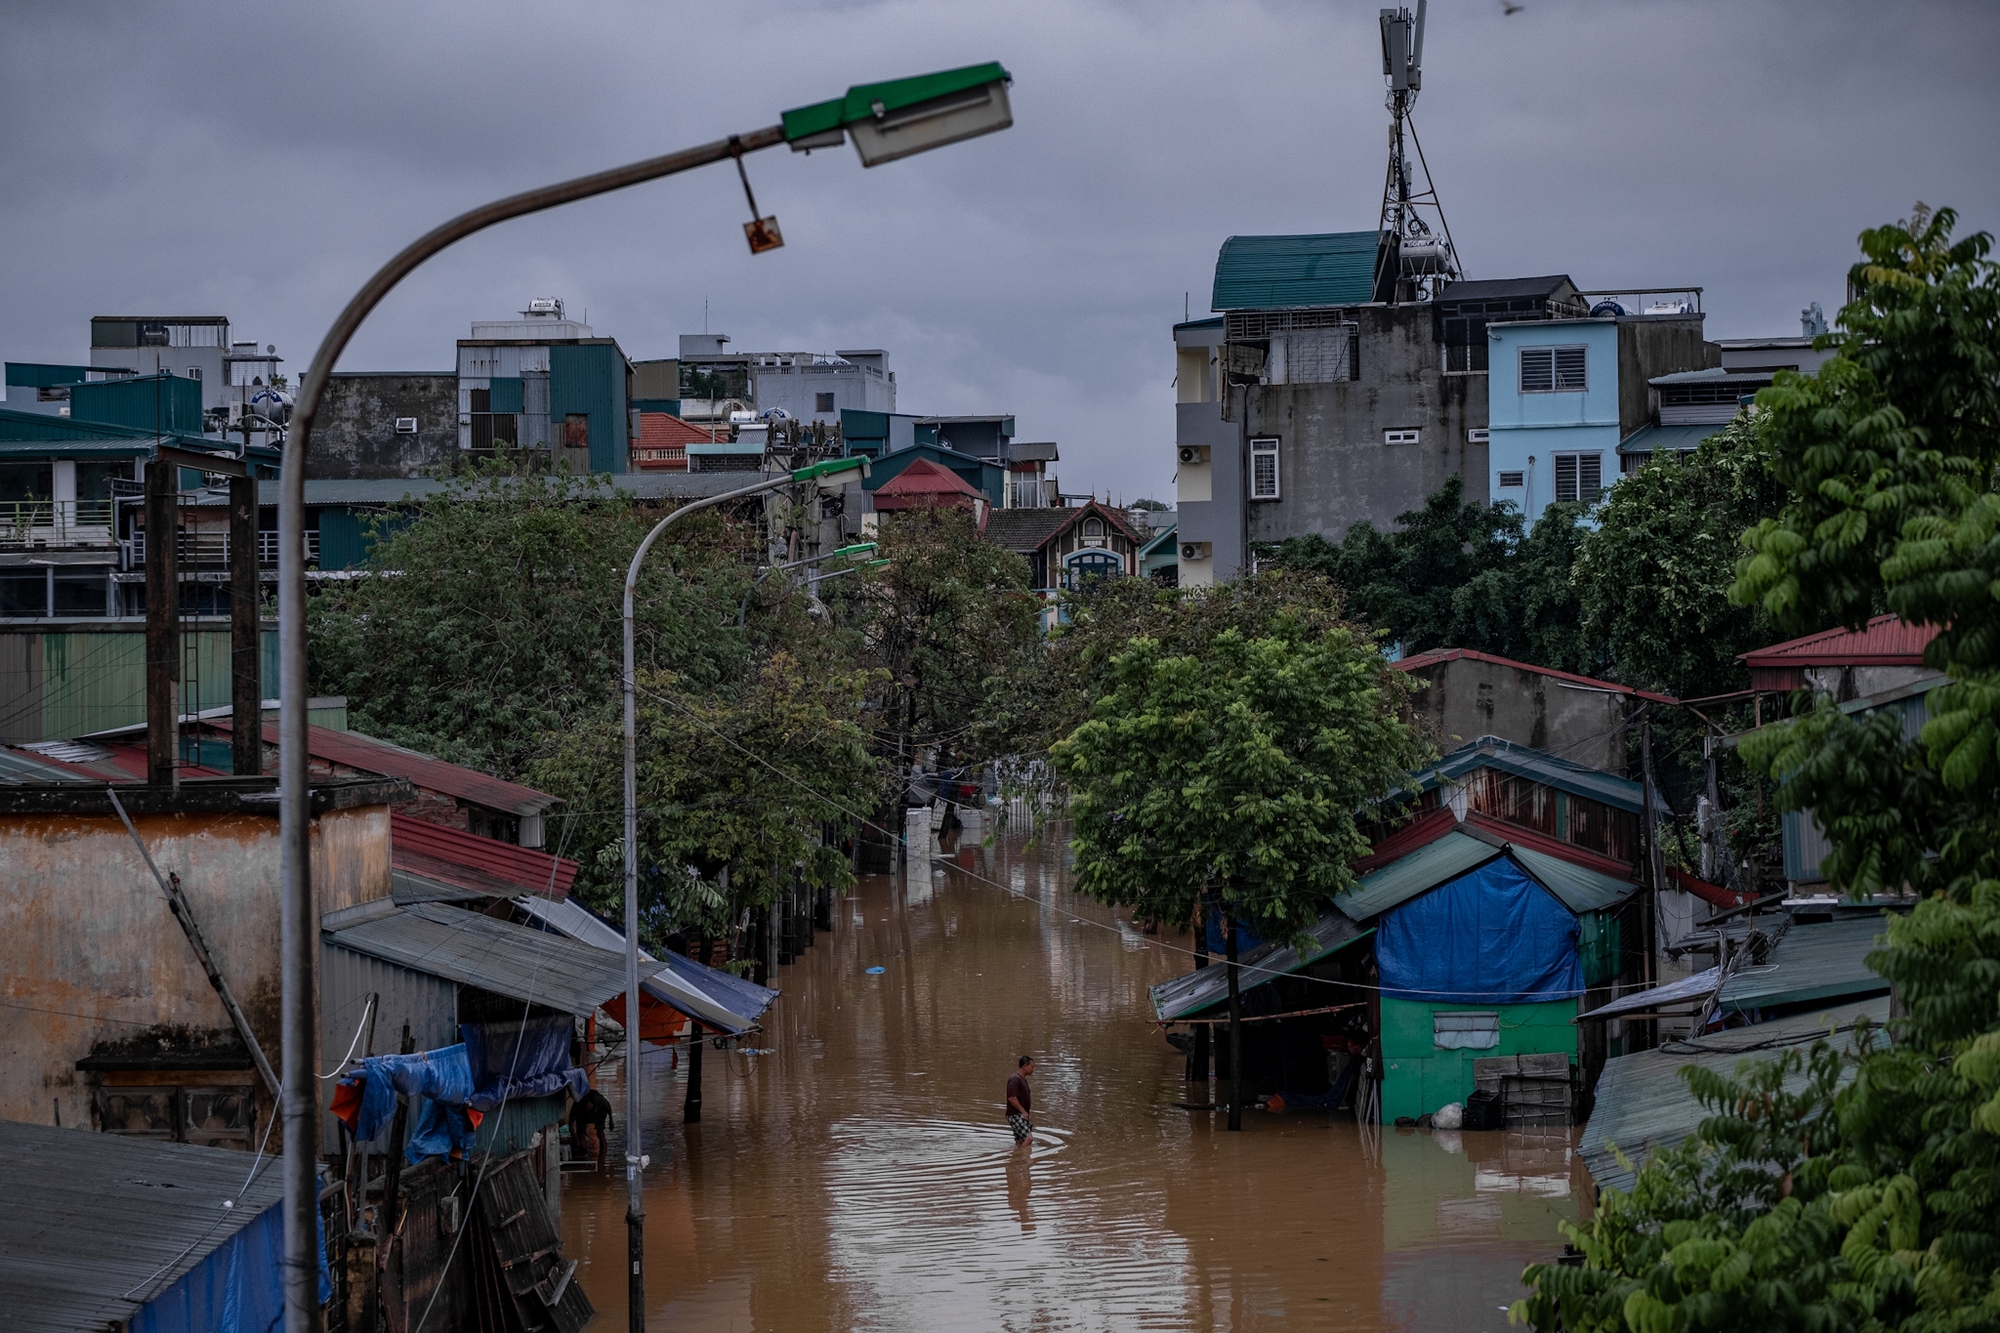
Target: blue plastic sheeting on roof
[(237, 1288), (1246, 938), (1295, 272), (515, 1061), (1492, 936), (1434, 863)]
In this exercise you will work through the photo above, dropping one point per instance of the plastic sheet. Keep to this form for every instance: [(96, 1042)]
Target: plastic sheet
[(1491, 936), (515, 1061)]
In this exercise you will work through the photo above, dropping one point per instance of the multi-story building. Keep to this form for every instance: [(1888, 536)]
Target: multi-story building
[(708, 382), (1309, 406), (1564, 393), (545, 381)]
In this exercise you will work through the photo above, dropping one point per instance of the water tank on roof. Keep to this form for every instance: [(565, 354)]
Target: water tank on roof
[(1426, 255), (1670, 308), (272, 404), (1608, 309)]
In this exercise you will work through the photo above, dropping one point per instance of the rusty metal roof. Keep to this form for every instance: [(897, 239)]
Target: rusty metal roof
[(1435, 656), (1884, 641), (92, 1217), (476, 950), (371, 754), (481, 865)]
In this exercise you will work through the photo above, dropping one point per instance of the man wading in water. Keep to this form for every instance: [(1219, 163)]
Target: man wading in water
[(1020, 1102)]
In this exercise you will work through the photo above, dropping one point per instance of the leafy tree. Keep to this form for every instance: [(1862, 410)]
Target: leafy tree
[(1460, 575), (746, 781), (487, 619), (1875, 1204), (1653, 580)]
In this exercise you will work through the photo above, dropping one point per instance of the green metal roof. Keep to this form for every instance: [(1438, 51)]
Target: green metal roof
[(1820, 961), (1421, 871), (44, 375), (1536, 766), (1643, 1104), (1292, 272), (1657, 439), (864, 99), (1206, 987), (75, 448), (54, 431), (1580, 888)]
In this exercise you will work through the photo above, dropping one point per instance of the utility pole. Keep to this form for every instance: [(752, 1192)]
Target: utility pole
[(163, 657), (1198, 1059), (246, 694), (1235, 1025)]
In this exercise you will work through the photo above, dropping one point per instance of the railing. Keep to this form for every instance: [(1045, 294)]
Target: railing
[(1033, 495), (212, 548), (27, 524)]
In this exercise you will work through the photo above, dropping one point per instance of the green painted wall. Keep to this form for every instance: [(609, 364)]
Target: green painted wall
[(590, 378), (95, 680), (146, 402), (1418, 1076), (505, 394)]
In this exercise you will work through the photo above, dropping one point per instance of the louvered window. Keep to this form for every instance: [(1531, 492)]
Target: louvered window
[(1554, 369), (1263, 469), (1579, 478)]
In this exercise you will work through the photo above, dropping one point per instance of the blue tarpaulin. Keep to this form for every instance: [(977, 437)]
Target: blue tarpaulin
[(1491, 936), (441, 1075), (517, 1061), (238, 1287)]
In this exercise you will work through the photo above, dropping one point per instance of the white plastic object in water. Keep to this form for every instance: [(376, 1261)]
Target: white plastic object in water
[(1449, 1116)]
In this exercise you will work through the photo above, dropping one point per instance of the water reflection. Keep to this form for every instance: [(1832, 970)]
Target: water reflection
[(863, 1177)]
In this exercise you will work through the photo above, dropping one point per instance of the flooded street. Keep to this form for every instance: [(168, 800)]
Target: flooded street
[(861, 1176)]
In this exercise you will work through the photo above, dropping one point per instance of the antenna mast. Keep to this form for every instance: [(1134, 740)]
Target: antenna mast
[(1412, 262)]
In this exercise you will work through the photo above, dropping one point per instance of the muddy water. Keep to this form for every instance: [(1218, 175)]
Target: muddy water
[(862, 1175)]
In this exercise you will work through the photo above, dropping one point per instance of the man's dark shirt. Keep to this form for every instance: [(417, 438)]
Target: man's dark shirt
[(1017, 1090)]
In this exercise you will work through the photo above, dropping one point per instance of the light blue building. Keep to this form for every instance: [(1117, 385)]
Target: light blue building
[(1562, 394)]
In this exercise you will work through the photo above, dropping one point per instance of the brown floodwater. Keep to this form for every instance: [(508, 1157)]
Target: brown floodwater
[(861, 1176)]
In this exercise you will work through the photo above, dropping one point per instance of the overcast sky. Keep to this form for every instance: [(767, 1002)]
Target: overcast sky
[(259, 161)]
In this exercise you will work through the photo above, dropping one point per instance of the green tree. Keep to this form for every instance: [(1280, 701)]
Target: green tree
[(1876, 1204), (1653, 580)]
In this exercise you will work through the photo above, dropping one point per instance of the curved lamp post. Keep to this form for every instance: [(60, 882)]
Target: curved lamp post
[(886, 121)]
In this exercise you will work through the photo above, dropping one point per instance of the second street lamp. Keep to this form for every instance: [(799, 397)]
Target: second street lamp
[(908, 115)]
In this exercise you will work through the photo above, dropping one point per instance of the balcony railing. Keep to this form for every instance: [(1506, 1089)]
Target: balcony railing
[(1033, 494), (212, 548), (32, 524)]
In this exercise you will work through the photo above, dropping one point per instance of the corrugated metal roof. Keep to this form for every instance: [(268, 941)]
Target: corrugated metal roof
[(19, 767), (1884, 641), (1501, 289), (1666, 439), (369, 491), (468, 861), (1295, 272), (1538, 766), (1714, 375), (1207, 987), (1816, 961), (924, 478), (370, 754), (1580, 888), (476, 950), (716, 998), (90, 1217), (1643, 1105), (1436, 655), (1687, 990), (1421, 871)]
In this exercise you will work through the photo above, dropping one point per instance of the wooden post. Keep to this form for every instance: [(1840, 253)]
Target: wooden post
[(392, 1179), (246, 693), (1235, 1025), (163, 640), (1198, 1058), (691, 1108)]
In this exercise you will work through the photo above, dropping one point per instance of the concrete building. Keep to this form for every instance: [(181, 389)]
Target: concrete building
[(1308, 406), (1461, 695), (708, 382), (1563, 393), (386, 424), (545, 381)]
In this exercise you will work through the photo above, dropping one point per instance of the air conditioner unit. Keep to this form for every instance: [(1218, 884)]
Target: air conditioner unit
[(1193, 453), (406, 425), (1194, 550)]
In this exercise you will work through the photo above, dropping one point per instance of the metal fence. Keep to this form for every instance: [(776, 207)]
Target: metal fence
[(28, 524)]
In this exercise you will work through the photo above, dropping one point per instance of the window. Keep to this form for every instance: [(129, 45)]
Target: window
[(1510, 479), (1579, 478), (1553, 369), (1476, 436), (1093, 529), (1402, 437), (1084, 566), (1464, 346), (1264, 469), (1465, 1032), (822, 402), (194, 372)]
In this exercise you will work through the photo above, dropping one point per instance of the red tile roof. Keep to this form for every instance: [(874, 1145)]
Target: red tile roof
[(924, 482), (468, 861), (1885, 641), (354, 749), (1437, 655), (657, 430)]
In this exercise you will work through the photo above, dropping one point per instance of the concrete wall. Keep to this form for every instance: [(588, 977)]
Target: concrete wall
[(1335, 467), (1463, 699), (1656, 345), (91, 954), (355, 433)]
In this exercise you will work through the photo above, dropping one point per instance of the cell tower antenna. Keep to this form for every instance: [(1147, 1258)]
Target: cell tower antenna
[(1412, 262)]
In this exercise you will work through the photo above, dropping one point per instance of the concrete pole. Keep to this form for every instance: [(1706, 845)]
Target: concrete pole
[(163, 640), (246, 694)]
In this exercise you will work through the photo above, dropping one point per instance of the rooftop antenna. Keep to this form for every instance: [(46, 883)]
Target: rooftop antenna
[(1412, 263)]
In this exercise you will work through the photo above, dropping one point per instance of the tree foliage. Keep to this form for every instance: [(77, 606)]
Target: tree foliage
[(1873, 1205), (1235, 767)]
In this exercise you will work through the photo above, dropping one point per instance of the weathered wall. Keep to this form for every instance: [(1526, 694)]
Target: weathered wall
[(355, 432), (1656, 345), (90, 953), (1334, 468), (1465, 699)]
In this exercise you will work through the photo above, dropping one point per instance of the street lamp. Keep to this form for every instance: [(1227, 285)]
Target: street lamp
[(888, 120)]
